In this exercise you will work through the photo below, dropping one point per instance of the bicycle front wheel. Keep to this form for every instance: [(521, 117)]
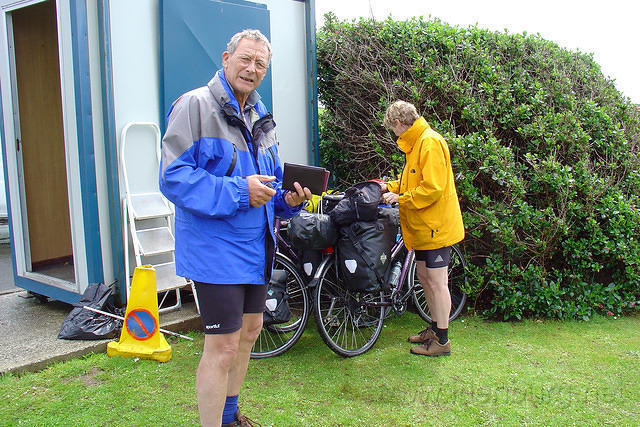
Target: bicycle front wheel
[(346, 321), (457, 281), (276, 339)]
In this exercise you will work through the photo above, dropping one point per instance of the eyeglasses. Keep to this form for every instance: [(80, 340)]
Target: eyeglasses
[(259, 63)]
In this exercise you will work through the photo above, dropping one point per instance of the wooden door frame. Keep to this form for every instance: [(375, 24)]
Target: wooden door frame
[(39, 108), (78, 136)]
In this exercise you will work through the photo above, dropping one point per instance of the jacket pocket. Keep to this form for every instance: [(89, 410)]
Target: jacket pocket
[(430, 217), (417, 224)]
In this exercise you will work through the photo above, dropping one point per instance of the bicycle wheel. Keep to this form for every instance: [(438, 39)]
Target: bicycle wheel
[(345, 321), (276, 339), (457, 280)]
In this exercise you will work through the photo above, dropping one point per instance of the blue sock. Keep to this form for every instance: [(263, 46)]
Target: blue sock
[(230, 408)]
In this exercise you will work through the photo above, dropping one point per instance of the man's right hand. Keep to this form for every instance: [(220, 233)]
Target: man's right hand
[(390, 198), (259, 192)]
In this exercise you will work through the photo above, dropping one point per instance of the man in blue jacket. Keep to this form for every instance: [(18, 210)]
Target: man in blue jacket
[(221, 169)]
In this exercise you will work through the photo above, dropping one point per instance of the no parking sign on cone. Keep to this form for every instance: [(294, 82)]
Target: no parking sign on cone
[(140, 336)]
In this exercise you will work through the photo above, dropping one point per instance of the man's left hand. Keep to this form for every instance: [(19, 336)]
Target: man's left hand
[(294, 198)]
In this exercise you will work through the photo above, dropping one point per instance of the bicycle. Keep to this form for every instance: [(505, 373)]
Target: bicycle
[(276, 339), (350, 322)]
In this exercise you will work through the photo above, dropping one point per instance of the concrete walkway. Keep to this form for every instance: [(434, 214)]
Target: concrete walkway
[(29, 330)]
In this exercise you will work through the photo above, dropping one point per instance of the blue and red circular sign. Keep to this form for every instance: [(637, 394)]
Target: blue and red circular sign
[(141, 324)]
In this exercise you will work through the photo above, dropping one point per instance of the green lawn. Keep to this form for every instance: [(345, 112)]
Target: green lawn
[(530, 372)]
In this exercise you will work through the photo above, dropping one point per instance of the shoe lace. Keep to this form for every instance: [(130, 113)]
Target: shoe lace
[(247, 422), (423, 334)]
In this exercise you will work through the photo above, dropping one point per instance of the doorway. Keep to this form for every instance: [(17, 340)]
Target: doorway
[(40, 141)]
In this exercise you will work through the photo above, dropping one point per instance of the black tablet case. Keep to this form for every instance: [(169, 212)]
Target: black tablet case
[(313, 177)]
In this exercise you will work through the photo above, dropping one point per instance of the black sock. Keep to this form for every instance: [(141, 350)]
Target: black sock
[(434, 325), (442, 334)]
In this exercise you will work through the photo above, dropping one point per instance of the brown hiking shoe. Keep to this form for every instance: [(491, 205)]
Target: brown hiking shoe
[(423, 336), (245, 421), (433, 348), (241, 421)]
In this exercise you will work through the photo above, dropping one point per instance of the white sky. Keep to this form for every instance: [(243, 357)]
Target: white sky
[(608, 29)]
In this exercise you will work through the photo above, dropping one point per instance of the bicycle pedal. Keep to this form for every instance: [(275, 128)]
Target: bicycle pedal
[(399, 309)]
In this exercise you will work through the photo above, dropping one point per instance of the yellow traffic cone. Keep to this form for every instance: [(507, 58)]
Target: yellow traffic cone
[(140, 336)]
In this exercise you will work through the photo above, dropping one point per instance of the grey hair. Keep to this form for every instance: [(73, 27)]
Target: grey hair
[(400, 110), (251, 35)]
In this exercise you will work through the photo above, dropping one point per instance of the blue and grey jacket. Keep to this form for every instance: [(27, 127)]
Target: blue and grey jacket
[(207, 153)]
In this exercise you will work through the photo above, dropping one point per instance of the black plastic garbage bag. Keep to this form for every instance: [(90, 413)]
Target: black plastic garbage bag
[(83, 324)]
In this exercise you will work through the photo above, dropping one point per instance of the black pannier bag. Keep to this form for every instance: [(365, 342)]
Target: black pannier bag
[(309, 230), (360, 203), (277, 302), (310, 259), (392, 218), (364, 251), (329, 201)]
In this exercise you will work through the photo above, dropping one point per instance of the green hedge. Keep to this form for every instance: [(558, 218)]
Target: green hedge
[(544, 148)]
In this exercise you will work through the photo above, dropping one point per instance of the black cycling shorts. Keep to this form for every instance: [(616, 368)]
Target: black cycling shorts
[(222, 306), (435, 258)]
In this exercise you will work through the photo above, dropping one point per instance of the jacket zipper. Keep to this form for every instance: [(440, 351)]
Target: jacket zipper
[(273, 157), (248, 139)]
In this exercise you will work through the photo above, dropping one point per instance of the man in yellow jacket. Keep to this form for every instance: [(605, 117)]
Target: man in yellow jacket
[(430, 216)]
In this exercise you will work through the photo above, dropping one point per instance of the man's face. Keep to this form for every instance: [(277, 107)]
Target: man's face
[(246, 67)]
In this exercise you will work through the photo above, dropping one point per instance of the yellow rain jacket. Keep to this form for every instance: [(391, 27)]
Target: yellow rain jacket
[(430, 215)]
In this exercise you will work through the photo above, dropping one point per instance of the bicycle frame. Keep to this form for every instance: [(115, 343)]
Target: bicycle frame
[(396, 251), (282, 245), (408, 259)]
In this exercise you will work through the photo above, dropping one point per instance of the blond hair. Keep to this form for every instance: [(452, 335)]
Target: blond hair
[(403, 111)]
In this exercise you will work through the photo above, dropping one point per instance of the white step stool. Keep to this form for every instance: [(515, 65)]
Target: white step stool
[(148, 219)]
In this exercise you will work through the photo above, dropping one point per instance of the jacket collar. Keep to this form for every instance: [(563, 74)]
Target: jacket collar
[(223, 93), (408, 138)]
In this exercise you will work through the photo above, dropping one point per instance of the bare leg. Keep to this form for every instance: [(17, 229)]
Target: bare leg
[(251, 326), (428, 294), (212, 377), (436, 290)]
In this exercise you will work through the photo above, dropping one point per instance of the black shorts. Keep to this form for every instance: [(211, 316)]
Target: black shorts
[(222, 306), (435, 258)]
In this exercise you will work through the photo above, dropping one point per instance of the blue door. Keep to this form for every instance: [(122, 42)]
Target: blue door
[(193, 35)]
